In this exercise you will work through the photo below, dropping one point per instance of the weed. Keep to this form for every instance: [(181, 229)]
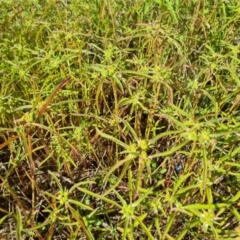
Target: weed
[(119, 119)]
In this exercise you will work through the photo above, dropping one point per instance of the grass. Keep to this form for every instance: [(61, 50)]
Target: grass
[(119, 119)]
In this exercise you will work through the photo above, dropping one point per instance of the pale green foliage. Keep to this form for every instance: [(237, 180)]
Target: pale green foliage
[(119, 119)]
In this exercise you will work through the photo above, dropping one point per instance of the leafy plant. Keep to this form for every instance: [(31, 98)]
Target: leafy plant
[(119, 119)]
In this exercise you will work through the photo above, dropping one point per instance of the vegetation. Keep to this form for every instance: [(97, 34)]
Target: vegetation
[(119, 119)]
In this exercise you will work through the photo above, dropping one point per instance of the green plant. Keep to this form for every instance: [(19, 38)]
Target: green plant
[(119, 119)]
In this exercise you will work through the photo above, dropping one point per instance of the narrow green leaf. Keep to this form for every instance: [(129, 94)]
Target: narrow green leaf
[(117, 165), (186, 189), (109, 137), (56, 180), (180, 111), (126, 166), (161, 135), (181, 179), (99, 197), (235, 212), (169, 224), (142, 217), (130, 185), (209, 195), (82, 223), (78, 203), (199, 206), (79, 184), (185, 231), (4, 218), (178, 123), (171, 151), (145, 229), (126, 123), (235, 198), (19, 223), (204, 182)]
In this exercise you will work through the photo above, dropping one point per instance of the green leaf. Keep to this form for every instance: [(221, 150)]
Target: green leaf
[(161, 135), (56, 179), (78, 203), (144, 228), (109, 137), (19, 223), (117, 165), (181, 179), (199, 206), (171, 151), (97, 196)]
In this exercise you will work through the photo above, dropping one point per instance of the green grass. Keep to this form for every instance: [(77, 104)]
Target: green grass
[(119, 119)]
